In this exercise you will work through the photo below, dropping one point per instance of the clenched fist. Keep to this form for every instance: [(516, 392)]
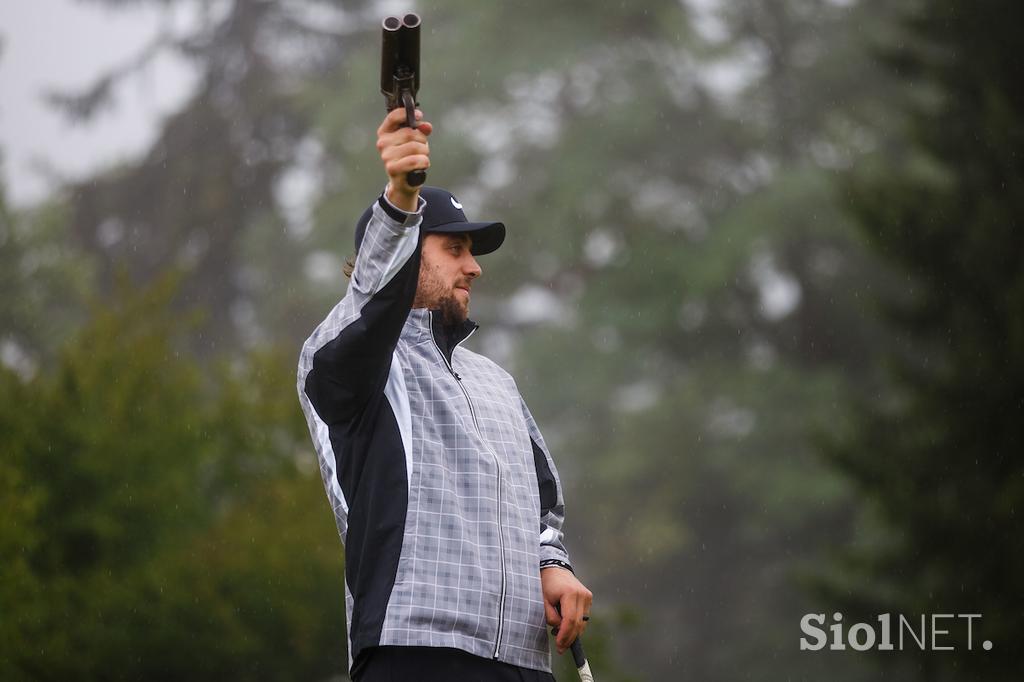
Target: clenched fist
[(403, 149)]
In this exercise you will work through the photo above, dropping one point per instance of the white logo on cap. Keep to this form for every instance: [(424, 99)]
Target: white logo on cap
[(456, 204)]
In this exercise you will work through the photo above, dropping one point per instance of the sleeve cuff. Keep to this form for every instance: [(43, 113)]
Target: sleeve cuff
[(556, 563), (397, 214)]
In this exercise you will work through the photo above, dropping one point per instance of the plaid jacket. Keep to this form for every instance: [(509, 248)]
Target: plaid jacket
[(444, 493)]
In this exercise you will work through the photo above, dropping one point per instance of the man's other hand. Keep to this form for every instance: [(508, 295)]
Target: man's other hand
[(403, 149), (562, 591)]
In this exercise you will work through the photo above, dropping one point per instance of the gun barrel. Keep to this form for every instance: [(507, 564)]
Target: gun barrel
[(400, 54), (389, 54), (410, 50)]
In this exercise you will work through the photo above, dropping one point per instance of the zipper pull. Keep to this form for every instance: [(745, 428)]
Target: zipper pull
[(457, 377)]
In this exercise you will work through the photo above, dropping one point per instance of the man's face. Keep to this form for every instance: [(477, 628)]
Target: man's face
[(447, 271)]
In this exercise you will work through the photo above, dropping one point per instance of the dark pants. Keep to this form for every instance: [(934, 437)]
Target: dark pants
[(430, 664)]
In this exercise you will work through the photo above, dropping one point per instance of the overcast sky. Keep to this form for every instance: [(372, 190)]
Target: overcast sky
[(65, 44)]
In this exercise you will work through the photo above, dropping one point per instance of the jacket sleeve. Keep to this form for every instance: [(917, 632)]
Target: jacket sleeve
[(552, 505), (347, 358)]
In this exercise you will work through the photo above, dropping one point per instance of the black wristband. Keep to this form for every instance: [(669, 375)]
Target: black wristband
[(547, 563), (396, 214)]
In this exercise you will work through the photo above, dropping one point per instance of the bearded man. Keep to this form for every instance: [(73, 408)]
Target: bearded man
[(444, 492)]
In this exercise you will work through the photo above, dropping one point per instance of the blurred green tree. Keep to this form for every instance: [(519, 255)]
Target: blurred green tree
[(937, 451), (161, 520)]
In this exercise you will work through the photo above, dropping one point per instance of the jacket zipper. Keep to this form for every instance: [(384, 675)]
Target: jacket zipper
[(497, 465)]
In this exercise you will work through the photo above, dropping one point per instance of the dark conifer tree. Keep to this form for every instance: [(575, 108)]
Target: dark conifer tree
[(937, 452)]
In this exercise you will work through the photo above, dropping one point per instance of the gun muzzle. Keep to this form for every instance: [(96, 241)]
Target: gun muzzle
[(400, 57)]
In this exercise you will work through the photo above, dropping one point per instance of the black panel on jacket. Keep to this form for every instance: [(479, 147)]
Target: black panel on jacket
[(373, 476), (545, 480)]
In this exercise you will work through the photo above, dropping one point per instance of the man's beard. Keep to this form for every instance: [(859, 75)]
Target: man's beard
[(431, 293), (452, 312)]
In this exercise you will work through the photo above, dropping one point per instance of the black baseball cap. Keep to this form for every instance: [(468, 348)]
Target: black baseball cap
[(443, 213)]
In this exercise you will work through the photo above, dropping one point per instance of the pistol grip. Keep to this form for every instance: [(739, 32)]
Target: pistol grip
[(415, 178)]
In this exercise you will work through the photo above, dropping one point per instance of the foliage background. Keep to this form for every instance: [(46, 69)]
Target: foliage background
[(762, 289)]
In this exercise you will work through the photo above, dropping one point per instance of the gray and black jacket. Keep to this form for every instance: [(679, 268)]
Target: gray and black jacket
[(445, 495)]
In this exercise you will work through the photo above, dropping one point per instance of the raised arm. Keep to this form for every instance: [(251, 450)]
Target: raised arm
[(346, 359)]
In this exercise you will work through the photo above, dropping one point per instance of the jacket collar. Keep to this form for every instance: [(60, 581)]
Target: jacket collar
[(422, 323)]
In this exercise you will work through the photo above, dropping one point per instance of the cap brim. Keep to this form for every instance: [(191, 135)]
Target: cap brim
[(487, 237)]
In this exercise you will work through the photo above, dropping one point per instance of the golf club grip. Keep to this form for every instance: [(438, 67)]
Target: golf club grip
[(578, 657), (577, 653)]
